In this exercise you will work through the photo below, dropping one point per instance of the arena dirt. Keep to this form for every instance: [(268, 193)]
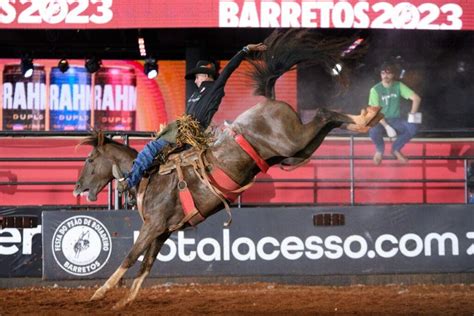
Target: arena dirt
[(247, 299)]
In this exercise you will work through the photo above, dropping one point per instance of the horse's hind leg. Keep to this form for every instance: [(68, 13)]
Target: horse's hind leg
[(326, 120), (365, 118), (303, 155), (368, 117), (148, 260), (148, 233), (325, 117)]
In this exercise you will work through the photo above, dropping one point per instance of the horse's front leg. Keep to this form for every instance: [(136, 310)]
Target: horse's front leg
[(148, 234), (147, 264)]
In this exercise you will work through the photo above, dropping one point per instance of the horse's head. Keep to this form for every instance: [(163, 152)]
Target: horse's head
[(97, 169)]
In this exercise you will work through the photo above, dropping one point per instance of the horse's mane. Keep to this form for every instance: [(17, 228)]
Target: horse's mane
[(98, 138), (288, 48)]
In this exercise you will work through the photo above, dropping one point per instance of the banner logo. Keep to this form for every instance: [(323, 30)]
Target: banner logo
[(56, 12), (341, 14), (81, 245), (311, 247)]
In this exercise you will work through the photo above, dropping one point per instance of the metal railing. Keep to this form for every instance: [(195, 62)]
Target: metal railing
[(113, 201), (352, 181)]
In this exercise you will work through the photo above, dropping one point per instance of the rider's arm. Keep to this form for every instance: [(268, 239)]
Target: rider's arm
[(210, 106), (235, 62), (229, 69)]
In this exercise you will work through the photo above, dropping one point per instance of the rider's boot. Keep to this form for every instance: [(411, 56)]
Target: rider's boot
[(122, 183)]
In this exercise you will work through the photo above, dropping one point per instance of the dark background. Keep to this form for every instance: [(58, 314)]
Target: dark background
[(438, 64)]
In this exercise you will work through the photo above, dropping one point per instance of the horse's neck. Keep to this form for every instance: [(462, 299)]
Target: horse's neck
[(123, 156)]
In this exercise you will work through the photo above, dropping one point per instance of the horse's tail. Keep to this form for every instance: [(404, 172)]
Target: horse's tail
[(286, 49)]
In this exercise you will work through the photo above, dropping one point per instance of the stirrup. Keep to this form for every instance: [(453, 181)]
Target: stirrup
[(132, 196)]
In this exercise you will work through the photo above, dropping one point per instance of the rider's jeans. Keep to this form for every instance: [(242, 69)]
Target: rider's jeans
[(144, 160)]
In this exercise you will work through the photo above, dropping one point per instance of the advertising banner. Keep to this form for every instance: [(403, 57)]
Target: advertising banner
[(270, 241), (20, 248), (373, 14), (117, 97)]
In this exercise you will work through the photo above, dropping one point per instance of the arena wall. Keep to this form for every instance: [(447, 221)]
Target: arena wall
[(289, 243)]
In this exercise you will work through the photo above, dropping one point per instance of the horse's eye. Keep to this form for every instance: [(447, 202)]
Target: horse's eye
[(90, 160)]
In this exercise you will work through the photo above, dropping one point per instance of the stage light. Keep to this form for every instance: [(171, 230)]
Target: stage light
[(141, 46), (93, 64), (150, 68), (63, 65), (27, 67), (336, 70), (461, 67)]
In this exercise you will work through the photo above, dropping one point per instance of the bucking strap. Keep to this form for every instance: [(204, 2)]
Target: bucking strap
[(248, 148), (191, 213), (224, 183)]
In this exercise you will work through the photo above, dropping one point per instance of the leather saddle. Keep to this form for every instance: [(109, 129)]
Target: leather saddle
[(187, 157)]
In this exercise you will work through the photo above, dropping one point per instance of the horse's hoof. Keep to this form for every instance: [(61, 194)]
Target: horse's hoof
[(372, 115), (357, 128), (99, 294), (375, 120), (121, 304)]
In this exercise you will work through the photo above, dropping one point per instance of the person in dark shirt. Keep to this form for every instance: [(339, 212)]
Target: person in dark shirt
[(201, 106)]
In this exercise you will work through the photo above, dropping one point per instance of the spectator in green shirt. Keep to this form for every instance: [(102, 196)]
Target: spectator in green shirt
[(387, 94)]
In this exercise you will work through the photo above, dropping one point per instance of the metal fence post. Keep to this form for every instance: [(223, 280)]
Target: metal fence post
[(466, 179), (351, 162), (109, 196)]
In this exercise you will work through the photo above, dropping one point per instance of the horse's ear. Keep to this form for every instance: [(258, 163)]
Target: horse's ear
[(96, 139), (100, 138)]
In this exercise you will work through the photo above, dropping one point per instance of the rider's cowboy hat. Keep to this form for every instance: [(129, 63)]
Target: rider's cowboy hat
[(202, 67)]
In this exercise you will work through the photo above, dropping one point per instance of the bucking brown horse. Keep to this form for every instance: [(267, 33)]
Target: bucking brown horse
[(272, 131)]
